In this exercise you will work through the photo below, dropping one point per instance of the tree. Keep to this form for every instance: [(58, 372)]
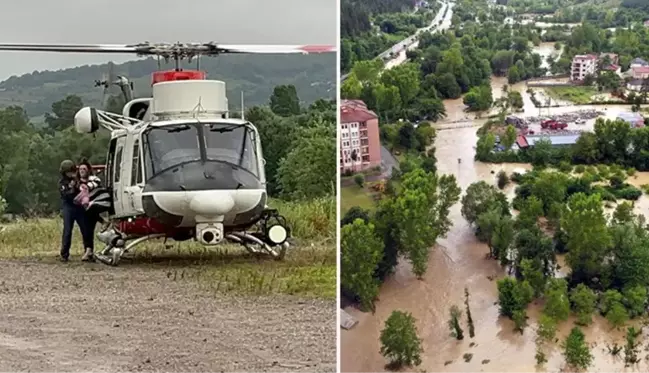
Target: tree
[(576, 351), (479, 98), (513, 296), (635, 300), (421, 214), (63, 113), (587, 235), (454, 323), (399, 340), (309, 170), (583, 302), (360, 253), (284, 101), (468, 313), (557, 303), (481, 197), (509, 138)]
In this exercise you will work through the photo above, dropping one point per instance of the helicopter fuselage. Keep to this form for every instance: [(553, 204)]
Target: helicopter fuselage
[(205, 173)]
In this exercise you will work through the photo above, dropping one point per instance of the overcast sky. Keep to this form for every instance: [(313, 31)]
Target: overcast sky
[(134, 21)]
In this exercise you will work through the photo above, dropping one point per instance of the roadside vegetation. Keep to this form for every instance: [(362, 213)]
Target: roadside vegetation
[(299, 149)]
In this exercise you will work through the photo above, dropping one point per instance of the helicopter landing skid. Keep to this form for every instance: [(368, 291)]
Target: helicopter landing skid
[(112, 254), (256, 246)]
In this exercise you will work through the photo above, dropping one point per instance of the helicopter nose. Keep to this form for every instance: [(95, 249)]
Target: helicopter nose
[(205, 204)]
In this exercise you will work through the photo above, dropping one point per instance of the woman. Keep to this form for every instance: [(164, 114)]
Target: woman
[(69, 190), (87, 183)]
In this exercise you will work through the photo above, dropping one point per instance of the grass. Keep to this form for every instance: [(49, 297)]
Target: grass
[(353, 195), (576, 95), (308, 270)]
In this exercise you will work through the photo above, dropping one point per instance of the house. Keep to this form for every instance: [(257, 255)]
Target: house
[(582, 66), (646, 23), (640, 72), (360, 146), (635, 85), (635, 120), (613, 68), (559, 139), (638, 62)]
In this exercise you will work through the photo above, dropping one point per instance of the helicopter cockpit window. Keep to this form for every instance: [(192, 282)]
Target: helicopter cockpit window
[(232, 143), (170, 146)]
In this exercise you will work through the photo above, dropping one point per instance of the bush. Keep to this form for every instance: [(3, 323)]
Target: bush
[(565, 167), (359, 179), (580, 169), (630, 171)]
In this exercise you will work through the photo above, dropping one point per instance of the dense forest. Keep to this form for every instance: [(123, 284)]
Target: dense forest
[(298, 143), (313, 75)]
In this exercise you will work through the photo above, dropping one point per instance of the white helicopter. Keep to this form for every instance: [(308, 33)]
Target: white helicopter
[(178, 167)]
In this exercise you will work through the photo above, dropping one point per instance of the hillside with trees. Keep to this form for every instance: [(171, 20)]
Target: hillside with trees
[(314, 77), (298, 143)]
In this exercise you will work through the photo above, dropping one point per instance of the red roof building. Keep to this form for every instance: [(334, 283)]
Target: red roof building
[(360, 145)]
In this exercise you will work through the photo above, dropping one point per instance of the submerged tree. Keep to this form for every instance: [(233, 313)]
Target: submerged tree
[(399, 340), (575, 350), (468, 313), (454, 323)]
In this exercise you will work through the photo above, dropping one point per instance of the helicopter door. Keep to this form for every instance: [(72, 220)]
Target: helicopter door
[(118, 185), (136, 182)]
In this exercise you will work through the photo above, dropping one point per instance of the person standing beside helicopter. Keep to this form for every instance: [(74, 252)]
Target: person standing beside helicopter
[(69, 190), (87, 183)]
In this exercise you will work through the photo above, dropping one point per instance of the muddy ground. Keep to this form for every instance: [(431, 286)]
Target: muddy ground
[(90, 317)]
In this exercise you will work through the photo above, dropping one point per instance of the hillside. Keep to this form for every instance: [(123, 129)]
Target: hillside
[(314, 76)]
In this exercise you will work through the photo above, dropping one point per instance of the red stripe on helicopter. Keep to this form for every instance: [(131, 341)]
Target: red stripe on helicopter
[(317, 48)]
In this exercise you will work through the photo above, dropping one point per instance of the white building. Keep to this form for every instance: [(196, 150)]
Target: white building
[(582, 66)]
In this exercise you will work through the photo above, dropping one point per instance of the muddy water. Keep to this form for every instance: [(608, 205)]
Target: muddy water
[(458, 261)]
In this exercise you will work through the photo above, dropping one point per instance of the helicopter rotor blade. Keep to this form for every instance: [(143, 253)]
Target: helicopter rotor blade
[(70, 48), (275, 49), (175, 50)]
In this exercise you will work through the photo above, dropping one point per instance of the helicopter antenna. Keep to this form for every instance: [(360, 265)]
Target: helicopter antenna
[(198, 108), (243, 110)]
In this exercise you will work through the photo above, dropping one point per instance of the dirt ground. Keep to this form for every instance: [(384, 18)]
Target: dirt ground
[(91, 317)]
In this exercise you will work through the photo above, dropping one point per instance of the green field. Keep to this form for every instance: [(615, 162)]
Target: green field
[(576, 95), (355, 196)]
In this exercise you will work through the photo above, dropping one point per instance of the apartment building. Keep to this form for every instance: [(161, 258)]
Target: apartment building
[(360, 146), (582, 66)]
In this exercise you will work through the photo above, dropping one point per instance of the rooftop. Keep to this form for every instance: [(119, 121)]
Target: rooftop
[(639, 61), (562, 139), (585, 57), (611, 67), (355, 111), (641, 69)]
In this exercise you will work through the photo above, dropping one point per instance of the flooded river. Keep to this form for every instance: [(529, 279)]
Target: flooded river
[(458, 261)]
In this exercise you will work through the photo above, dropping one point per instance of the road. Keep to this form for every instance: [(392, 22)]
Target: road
[(399, 50), (82, 318)]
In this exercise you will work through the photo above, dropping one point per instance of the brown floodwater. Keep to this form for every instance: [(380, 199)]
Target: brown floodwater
[(459, 261)]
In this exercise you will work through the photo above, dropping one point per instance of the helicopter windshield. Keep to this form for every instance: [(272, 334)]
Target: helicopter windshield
[(171, 146), (232, 143)]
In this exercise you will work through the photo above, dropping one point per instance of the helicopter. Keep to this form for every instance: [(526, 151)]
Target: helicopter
[(178, 166)]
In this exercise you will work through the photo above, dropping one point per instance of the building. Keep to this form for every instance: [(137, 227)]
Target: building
[(646, 23), (638, 62), (635, 120), (360, 146), (635, 85), (640, 72), (582, 66), (559, 139)]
